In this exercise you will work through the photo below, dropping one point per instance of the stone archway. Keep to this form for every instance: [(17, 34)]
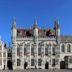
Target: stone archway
[(46, 65), (62, 65), (9, 65), (25, 65)]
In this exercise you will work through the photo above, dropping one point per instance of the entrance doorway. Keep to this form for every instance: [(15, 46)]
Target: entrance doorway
[(9, 65), (62, 65), (46, 65), (25, 65)]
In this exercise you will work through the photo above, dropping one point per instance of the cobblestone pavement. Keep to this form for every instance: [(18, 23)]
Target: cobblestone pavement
[(31, 70)]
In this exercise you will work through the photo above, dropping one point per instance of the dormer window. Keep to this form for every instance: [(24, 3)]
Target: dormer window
[(28, 34), (48, 33)]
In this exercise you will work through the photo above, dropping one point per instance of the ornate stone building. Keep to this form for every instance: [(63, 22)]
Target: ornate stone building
[(41, 48)]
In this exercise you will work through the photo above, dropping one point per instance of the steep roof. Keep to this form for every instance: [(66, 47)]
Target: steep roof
[(29, 32), (66, 38)]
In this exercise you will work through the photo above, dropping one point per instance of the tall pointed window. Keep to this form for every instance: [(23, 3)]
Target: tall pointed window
[(32, 50), (39, 62), (63, 48), (46, 51), (53, 62), (32, 62), (68, 48), (53, 50), (18, 51), (18, 62), (39, 51), (25, 51), (49, 49)]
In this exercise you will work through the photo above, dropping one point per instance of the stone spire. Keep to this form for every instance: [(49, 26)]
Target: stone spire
[(35, 23), (56, 24), (14, 23)]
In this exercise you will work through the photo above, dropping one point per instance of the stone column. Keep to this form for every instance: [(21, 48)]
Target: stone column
[(44, 56), (2, 57), (37, 53), (6, 59), (51, 55), (22, 57), (30, 54), (14, 56)]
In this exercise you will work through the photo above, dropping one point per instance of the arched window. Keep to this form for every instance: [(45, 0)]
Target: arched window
[(68, 48), (63, 48)]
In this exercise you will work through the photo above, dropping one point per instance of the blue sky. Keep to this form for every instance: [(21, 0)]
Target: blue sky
[(25, 11)]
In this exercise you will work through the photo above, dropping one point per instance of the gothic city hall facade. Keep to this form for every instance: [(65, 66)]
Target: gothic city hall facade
[(40, 48)]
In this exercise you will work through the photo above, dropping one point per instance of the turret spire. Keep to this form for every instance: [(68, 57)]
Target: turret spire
[(35, 23), (14, 22), (57, 31), (56, 24), (14, 30)]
